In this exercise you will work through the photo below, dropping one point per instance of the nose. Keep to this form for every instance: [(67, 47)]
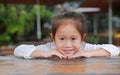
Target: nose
[(68, 44)]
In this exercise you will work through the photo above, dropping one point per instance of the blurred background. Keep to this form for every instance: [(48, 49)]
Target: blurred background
[(29, 21)]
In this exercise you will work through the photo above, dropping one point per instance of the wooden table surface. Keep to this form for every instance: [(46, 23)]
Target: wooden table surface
[(10, 65)]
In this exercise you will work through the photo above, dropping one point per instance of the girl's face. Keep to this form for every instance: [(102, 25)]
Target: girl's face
[(67, 38)]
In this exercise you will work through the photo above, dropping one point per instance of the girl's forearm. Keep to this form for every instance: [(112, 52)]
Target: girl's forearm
[(97, 53), (38, 53)]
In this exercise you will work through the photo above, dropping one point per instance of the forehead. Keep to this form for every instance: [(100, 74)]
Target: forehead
[(67, 27)]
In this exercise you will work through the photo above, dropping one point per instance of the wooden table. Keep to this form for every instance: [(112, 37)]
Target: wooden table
[(10, 65)]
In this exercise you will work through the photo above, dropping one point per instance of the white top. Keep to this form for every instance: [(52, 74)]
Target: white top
[(26, 50)]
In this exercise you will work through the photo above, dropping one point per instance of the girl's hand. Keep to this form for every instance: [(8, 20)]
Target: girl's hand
[(100, 52), (54, 53), (81, 53)]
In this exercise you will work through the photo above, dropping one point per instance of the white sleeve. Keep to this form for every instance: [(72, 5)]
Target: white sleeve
[(26, 50), (113, 50)]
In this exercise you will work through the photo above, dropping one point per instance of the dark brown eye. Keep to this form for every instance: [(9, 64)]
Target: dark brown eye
[(74, 38), (61, 38)]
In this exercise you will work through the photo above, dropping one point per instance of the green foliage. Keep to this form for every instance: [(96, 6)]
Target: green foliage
[(14, 20), (92, 39), (4, 37), (19, 20)]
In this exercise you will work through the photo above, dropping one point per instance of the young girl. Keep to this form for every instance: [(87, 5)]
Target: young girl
[(68, 36)]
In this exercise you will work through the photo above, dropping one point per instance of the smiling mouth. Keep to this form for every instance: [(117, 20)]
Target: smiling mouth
[(68, 51)]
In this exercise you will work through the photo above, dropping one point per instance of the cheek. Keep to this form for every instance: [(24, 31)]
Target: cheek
[(77, 45), (58, 44)]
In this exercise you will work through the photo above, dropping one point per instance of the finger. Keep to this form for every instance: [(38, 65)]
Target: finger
[(58, 54), (72, 57), (75, 55), (61, 56)]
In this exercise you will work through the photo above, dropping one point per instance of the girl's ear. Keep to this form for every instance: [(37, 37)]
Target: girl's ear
[(51, 36), (84, 36)]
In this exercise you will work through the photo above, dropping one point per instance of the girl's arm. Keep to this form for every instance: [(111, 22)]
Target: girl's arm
[(31, 51), (93, 50), (102, 50), (45, 54)]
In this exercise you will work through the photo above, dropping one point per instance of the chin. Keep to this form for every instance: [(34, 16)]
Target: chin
[(69, 54)]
